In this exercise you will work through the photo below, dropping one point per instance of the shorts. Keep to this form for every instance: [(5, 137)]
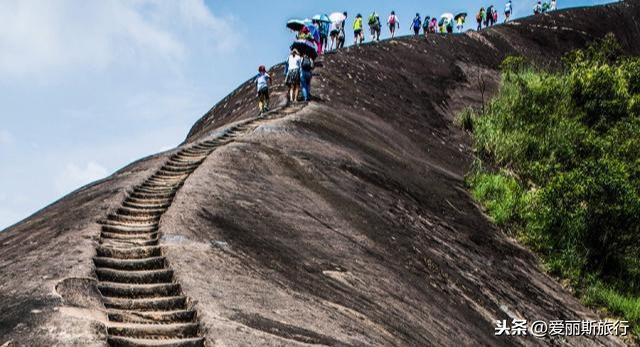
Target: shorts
[(335, 33), (392, 27), (293, 77), (263, 94), (507, 13), (357, 32)]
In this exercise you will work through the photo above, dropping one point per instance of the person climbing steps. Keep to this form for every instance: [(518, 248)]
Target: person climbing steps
[(262, 81)]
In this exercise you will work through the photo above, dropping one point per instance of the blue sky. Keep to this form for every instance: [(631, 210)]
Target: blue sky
[(89, 86)]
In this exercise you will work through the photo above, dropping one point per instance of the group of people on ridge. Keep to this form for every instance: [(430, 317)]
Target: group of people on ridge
[(541, 7), (316, 33)]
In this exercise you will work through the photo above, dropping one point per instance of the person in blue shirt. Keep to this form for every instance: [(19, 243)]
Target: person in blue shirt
[(416, 24), (262, 81)]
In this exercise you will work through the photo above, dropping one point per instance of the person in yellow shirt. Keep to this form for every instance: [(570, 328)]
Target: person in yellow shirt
[(358, 35)]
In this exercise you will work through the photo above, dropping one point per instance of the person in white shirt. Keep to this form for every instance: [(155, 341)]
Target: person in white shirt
[(507, 11), (292, 79), (553, 6), (262, 82), (393, 22)]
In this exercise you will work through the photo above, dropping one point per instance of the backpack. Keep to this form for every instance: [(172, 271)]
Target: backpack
[(425, 24), (392, 20), (479, 17), (307, 64), (372, 20), (495, 16)]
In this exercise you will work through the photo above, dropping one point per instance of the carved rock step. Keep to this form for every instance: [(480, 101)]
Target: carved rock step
[(114, 229), (128, 243), (129, 253), (140, 276), (145, 317), (134, 219), (175, 330), (136, 224), (118, 341), (152, 263), (143, 236), (155, 189), (152, 196), (183, 159), (170, 303), (137, 291), (134, 211), (146, 204)]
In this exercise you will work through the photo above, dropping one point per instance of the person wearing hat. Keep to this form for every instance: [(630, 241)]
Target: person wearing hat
[(292, 75), (263, 80)]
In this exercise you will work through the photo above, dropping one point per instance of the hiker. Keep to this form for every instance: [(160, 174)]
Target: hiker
[(336, 28), (495, 16), (553, 6), (393, 22), (324, 34), (375, 26), (449, 24), (433, 26), (342, 36), (415, 24), (460, 23), (489, 16), (262, 82), (358, 35), (545, 7), (507, 11), (537, 9), (425, 25), (292, 75), (306, 67), (481, 17), (304, 34)]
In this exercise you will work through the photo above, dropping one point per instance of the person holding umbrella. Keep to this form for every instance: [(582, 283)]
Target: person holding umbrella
[(337, 28), (393, 22), (306, 66), (460, 18), (292, 75), (358, 35), (322, 22)]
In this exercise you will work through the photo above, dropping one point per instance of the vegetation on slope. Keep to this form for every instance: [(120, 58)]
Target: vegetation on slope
[(560, 168)]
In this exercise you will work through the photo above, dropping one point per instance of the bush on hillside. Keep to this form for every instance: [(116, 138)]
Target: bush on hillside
[(571, 138)]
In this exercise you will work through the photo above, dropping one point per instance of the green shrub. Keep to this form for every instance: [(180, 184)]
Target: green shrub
[(465, 118), (566, 145)]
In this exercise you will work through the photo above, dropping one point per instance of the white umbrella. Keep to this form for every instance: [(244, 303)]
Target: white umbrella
[(337, 17), (448, 16)]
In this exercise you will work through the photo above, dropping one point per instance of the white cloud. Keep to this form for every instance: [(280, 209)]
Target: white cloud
[(39, 37), (74, 176)]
